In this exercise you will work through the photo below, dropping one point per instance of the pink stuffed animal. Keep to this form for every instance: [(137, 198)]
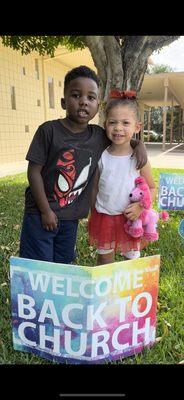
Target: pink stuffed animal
[(145, 225)]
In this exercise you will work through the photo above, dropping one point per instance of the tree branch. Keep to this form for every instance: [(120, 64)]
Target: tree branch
[(135, 53), (96, 47), (156, 42), (113, 51)]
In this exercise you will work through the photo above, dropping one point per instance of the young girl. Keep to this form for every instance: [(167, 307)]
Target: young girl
[(114, 180)]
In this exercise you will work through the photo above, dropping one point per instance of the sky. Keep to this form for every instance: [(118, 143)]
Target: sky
[(172, 55)]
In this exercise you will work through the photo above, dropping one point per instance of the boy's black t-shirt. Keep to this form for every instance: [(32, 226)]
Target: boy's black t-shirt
[(69, 161)]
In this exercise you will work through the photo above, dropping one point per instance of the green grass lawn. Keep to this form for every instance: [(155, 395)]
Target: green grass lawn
[(169, 347)]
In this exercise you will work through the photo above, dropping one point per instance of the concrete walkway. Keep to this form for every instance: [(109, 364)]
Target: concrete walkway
[(172, 157), (13, 168)]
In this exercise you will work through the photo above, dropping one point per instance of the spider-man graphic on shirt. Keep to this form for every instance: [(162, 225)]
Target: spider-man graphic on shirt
[(72, 175)]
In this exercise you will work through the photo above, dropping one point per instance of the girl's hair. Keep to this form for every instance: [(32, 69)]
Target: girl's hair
[(123, 99)]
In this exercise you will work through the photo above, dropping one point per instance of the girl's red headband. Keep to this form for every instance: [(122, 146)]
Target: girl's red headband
[(122, 94)]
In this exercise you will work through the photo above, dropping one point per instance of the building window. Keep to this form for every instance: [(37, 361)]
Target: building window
[(51, 91), (59, 83), (13, 101), (26, 128), (38, 103), (37, 69), (23, 71)]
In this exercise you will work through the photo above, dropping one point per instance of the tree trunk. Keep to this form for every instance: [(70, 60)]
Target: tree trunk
[(121, 62), (106, 54)]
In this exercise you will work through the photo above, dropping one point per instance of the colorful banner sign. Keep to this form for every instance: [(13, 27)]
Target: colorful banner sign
[(171, 192), (76, 314)]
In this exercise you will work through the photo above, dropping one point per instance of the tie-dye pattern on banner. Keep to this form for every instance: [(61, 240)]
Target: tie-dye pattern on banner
[(171, 191), (76, 314)]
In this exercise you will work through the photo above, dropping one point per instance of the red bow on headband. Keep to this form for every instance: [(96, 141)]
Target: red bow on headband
[(122, 94)]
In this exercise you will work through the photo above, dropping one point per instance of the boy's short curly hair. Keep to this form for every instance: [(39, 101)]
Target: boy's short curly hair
[(79, 72)]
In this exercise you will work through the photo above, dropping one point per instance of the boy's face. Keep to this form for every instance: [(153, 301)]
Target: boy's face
[(81, 100)]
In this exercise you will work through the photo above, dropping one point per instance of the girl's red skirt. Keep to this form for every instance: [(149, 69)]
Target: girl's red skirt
[(107, 232)]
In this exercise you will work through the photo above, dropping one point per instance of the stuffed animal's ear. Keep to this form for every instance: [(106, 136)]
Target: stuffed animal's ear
[(140, 180)]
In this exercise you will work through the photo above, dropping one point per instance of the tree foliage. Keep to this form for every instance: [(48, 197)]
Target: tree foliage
[(157, 122), (43, 44), (159, 68)]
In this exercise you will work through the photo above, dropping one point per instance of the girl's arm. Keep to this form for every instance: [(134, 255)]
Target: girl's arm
[(139, 152), (147, 173), (95, 188), (134, 210), (48, 217)]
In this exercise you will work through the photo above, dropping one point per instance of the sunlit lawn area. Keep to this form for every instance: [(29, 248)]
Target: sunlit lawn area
[(169, 347)]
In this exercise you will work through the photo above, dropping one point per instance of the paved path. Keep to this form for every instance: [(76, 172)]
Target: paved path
[(158, 159), (172, 157), (13, 168)]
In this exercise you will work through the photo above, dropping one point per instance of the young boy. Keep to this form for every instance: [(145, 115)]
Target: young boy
[(63, 157)]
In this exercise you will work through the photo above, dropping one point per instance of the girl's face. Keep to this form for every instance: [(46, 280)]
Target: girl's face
[(121, 124)]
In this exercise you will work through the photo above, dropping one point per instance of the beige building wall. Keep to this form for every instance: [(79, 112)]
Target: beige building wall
[(17, 126)]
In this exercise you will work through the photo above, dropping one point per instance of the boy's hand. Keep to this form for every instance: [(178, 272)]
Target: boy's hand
[(139, 151), (133, 211), (49, 220)]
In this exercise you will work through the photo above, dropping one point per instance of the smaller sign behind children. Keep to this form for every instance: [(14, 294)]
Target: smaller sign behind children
[(78, 314), (171, 192), (181, 228)]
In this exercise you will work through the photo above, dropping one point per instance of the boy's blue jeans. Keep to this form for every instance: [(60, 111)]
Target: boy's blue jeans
[(55, 246)]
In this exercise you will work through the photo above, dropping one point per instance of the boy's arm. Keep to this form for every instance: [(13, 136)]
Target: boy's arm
[(139, 151), (48, 217)]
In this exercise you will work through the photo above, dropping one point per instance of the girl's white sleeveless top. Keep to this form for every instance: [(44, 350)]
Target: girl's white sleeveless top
[(117, 179)]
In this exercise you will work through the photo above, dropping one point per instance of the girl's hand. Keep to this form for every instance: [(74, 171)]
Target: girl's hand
[(49, 220), (133, 211)]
